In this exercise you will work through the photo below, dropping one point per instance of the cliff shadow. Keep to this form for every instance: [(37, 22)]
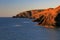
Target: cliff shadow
[(57, 19)]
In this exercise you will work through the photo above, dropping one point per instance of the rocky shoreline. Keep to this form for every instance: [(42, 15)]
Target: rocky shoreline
[(49, 18)]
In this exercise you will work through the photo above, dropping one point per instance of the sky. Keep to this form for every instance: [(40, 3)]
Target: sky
[(9, 8)]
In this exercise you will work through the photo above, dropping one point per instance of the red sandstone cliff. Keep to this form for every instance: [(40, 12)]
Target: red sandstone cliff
[(49, 18)]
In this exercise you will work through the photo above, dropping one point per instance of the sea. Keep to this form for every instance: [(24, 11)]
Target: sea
[(25, 29)]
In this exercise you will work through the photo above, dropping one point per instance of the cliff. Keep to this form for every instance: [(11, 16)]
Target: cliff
[(49, 18), (27, 14)]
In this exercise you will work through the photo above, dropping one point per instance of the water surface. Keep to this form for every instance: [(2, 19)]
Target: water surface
[(25, 29)]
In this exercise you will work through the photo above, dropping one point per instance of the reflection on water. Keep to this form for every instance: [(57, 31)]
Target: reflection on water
[(25, 22), (17, 25), (25, 29)]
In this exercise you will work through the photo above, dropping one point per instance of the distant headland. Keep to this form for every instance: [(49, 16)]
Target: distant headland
[(49, 18)]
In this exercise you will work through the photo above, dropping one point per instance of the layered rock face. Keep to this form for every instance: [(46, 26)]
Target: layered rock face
[(49, 18)]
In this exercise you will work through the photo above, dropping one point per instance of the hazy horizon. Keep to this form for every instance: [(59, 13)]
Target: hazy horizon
[(9, 8)]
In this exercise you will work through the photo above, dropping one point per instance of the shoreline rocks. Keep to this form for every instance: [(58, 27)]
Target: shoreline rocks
[(50, 18)]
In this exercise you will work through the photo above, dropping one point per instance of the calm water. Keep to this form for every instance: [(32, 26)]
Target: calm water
[(25, 29)]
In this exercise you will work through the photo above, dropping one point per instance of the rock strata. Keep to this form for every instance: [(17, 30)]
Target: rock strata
[(49, 18)]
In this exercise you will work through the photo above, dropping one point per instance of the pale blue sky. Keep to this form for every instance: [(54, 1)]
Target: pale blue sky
[(9, 8)]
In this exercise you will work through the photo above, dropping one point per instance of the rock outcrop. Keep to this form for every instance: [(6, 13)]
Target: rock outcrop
[(49, 18), (27, 14)]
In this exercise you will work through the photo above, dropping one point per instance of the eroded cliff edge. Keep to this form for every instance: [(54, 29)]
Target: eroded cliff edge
[(27, 14), (49, 18)]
